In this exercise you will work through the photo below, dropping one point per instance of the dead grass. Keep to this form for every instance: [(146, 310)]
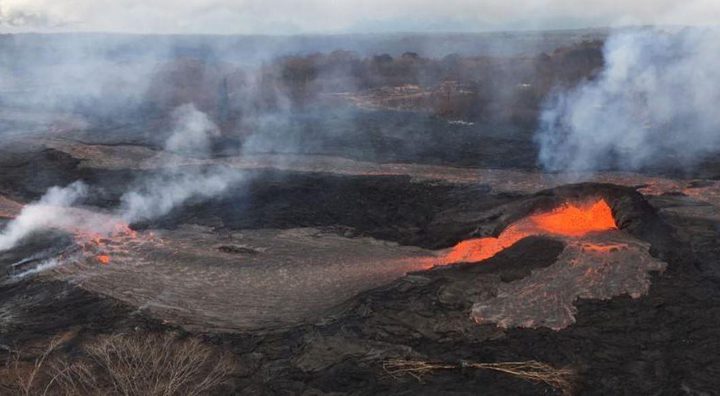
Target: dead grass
[(25, 376), (128, 365), (561, 379)]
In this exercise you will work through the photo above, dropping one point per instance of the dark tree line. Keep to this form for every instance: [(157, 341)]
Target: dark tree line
[(454, 86)]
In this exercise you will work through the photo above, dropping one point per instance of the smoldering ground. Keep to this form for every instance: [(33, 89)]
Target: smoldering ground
[(150, 197)]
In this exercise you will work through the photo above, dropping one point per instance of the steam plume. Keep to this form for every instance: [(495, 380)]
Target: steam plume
[(158, 195), (655, 101), (154, 197), (48, 212), (192, 132)]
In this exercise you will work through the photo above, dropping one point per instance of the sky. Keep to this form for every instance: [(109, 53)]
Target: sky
[(344, 16)]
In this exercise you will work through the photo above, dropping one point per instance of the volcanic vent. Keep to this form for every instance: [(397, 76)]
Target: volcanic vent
[(570, 220), (599, 260)]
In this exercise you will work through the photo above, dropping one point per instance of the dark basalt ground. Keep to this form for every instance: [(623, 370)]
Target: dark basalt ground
[(369, 135), (391, 208), (664, 343)]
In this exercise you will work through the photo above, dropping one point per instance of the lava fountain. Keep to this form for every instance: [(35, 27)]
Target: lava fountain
[(570, 220)]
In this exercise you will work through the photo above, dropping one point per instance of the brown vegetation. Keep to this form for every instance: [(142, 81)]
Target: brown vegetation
[(138, 364), (559, 378)]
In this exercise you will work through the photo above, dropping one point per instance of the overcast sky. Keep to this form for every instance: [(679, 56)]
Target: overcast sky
[(344, 16)]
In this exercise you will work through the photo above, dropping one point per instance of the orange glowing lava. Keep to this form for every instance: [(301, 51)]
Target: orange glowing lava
[(99, 245), (574, 221), (569, 220)]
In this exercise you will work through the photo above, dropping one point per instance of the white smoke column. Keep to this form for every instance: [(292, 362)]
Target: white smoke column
[(43, 266), (155, 197), (655, 102), (158, 195), (192, 131), (49, 212)]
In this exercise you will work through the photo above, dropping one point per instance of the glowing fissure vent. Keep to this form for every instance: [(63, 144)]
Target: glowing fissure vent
[(569, 220)]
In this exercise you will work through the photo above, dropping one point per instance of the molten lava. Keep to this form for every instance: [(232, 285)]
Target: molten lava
[(574, 221), (100, 245), (569, 220)]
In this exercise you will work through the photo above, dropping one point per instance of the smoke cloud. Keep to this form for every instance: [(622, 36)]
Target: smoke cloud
[(154, 196), (654, 102), (159, 194), (48, 212), (192, 131)]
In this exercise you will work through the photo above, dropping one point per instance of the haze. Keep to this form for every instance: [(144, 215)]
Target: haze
[(343, 16)]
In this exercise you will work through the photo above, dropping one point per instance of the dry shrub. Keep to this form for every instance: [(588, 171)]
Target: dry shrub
[(77, 378), (25, 378), (561, 379), (129, 365), (159, 365)]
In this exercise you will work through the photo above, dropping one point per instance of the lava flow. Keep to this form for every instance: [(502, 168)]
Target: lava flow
[(100, 244), (569, 220)]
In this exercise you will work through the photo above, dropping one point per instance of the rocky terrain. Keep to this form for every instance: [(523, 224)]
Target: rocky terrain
[(318, 271), (382, 238)]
